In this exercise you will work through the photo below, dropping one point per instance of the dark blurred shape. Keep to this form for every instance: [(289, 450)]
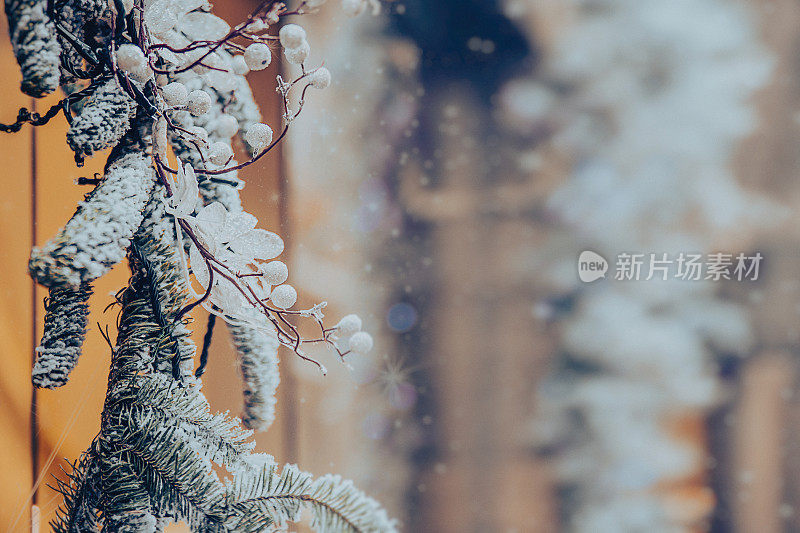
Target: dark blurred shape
[(473, 334), (464, 40)]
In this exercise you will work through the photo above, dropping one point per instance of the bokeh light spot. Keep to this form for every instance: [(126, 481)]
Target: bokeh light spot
[(401, 317)]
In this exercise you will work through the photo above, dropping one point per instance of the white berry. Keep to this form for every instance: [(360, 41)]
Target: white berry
[(257, 56), (349, 325), (275, 272), (361, 342), (283, 296), (198, 103), (320, 78), (292, 36), (130, 57), (296, 56), (258, 136), (142, 73), (220, 153), (175, 93)]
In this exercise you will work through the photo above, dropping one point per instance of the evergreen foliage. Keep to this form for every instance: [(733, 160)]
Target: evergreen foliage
[(155, 458)]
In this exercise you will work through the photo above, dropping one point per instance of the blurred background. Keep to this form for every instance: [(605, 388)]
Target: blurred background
[(444, 187)]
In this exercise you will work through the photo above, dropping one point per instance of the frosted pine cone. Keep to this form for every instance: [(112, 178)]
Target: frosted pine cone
[(64, 332), (98, 234), (103, 120), (258, 359), (36, 47)]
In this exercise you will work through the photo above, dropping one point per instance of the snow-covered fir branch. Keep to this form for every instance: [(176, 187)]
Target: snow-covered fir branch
[(258, 356), (261, 498), (162, 83)]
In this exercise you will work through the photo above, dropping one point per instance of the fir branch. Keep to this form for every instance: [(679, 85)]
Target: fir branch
[(78, 512), (139, 339), (182, 482), (260, 498), (165, 434), (222, 439), (122, 489), (164, 287), (152, 460)]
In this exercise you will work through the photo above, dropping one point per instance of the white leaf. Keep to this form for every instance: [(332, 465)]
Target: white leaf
[(238, 224), (184, 192), (259, 244), (210, 223), (201, 26), (227, 297), (199, 267)]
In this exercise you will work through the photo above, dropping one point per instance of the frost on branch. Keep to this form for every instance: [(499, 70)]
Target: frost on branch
[(258, 491), (223, 441), (64, 332)]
